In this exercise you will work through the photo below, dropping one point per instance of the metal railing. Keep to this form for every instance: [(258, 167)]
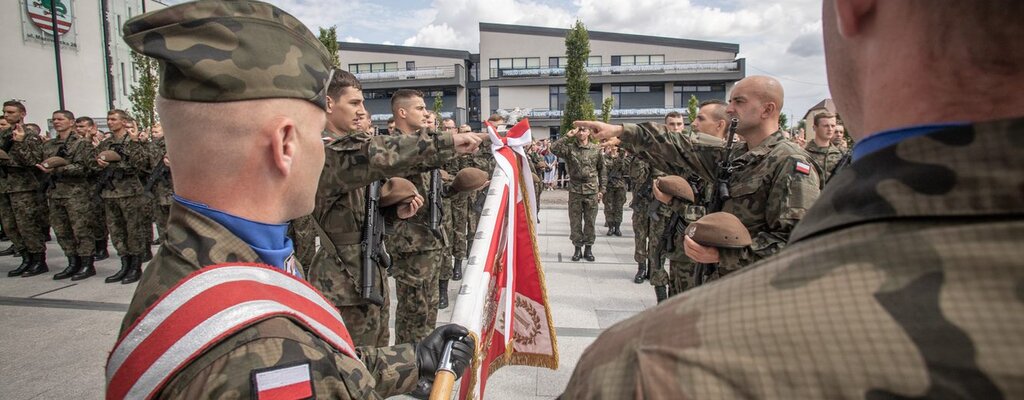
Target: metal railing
[(616, 113), (677, 67), (384, 117), (438, 72)]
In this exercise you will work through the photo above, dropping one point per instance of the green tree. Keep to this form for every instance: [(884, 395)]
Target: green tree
[(143, 93), (692, 107), (606, 109), (329, 37), (783, 121), (438, 103), (578, 106)]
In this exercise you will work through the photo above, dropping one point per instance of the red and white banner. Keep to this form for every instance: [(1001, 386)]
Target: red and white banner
[(503, 299)]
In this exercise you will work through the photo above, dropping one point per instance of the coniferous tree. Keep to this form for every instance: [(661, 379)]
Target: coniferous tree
[(578, 106)]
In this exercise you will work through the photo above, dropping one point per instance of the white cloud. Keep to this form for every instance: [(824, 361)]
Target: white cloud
[(352, 39)]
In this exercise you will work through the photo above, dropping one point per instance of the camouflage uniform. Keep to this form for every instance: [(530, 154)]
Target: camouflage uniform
[(639, 172), (587, 178), (770, 190), (615, 194), (163, 187), (224, 370), (418, 255), (484, 160), (123, 202), (70, 195), (352, 162), (825, 158), (893, 286), (20, 185), (303, 234), (459, 214)]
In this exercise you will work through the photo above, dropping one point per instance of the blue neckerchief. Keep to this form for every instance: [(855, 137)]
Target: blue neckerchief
[(888, 138), (270, 241)]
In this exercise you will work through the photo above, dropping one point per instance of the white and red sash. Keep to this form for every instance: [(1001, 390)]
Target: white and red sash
[(206, 307)]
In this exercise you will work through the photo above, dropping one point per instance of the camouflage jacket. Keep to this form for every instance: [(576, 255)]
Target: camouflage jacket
[(617, 171), (584, 163), (352, 162), (893, 286), (124, 175), (71, 181), (225, 369), (483, 158), (770, 192), (825, 158), (19, 174), (163, 186), (414, 234)]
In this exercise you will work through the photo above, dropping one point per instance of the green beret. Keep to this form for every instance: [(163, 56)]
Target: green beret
[(719, 229), (231, 50)]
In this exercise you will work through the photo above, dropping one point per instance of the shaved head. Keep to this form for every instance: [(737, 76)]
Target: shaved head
[(764, 88)]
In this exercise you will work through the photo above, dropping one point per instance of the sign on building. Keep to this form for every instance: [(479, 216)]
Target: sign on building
[(38, 22)]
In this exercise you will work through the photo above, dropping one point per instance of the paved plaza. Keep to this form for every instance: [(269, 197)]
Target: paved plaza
[(56, 334)]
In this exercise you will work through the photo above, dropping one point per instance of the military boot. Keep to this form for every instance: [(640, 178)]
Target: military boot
[(641, 272), (618, 230), (457, 271), (134, 271), (37, 266), (148, 255), (126, 264), (101, 250), (88, 269), (661, 292), (25, 262), (611, 230), (442, 303), (587, 254), (9, 251), (74, 265), (578, 254)]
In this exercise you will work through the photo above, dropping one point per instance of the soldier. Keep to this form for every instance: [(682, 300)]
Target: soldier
[(353, 160), (772, 184), (659, 217), (86, 130), (20, 208), (916, 242), (121, 191), (639, 174), (233, 207), (825, 155), (588, 176), (68, 161), (458, 213), (159, 184), (615, 196), (418, 249)]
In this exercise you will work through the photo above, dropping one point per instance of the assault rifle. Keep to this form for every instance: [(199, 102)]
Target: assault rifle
[(157, 175), (719, 194), (108, 175), (372, 244), (434, 198)]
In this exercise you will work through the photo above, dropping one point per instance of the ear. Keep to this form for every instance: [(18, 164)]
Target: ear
[(330, 105), (852, 15), (283, 143)]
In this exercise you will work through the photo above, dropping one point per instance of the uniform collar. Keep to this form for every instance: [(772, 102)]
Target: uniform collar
[(960, 171), (269, 242)]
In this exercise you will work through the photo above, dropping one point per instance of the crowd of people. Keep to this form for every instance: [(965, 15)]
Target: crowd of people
[(891, 269)]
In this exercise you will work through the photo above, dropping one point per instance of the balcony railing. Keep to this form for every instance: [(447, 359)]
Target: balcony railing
[(440, 72), (384, 117), (616, 113), (679, 67)]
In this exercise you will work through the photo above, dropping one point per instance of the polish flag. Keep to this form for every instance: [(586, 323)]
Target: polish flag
[(288, 383)]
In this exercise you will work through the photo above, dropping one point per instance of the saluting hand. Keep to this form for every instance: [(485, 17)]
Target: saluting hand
[(19, 132), (601, 130)]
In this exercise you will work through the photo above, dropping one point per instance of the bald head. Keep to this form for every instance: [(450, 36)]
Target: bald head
[(764, 88), (757, 102)]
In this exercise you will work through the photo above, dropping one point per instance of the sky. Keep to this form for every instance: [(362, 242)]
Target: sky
[(780, 38)]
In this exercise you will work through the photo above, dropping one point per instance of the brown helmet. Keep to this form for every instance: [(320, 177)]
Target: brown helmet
[(396, 190), (54, 162), (676, 186), (109, 156), (469, 179), (719, 229)]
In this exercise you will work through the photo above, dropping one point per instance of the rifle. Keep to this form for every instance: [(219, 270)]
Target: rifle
[(108, 174), (434, 198), (154, 177), (372, 244), (49, 183), (719, 194)]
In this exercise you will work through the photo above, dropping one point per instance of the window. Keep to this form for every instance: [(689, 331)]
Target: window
[(562, 62), (638, 96), (558, 95), (682, 91), (639, 60), (124, 83), (498, 65), (372, 67), (410, 65), (494, 98)]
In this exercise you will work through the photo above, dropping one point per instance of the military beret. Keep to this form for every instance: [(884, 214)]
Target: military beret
[(109, 156), (4, 156), (231, 50), (676, 186), (719, 229), (396, 190), (55, 162), (469, 179)]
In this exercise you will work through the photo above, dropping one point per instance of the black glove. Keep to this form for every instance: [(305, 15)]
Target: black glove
[(428, 351)]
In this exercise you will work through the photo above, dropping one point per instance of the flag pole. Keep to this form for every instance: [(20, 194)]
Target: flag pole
[(444, 379)]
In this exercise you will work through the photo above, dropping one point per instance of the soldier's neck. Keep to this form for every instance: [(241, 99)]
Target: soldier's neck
[(820, 143), (119, 134), (64, 135)]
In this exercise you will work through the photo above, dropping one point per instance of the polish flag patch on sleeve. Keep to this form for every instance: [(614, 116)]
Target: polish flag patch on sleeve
[(283, 383), (803, 168)]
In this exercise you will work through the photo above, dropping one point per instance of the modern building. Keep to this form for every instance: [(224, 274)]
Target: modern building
[(524, 67), (95, 64)]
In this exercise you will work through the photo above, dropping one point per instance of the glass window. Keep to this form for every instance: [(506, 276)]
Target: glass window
[(518, 63), (658, 59), (594, 61), (616, 60), (505, 63), (410, 65), (533, 62), (553, 62)]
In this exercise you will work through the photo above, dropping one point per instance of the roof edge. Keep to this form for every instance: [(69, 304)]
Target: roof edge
[(408, 50), (612, 37)]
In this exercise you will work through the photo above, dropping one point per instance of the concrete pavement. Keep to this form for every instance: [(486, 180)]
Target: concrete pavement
[(56, 334)]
